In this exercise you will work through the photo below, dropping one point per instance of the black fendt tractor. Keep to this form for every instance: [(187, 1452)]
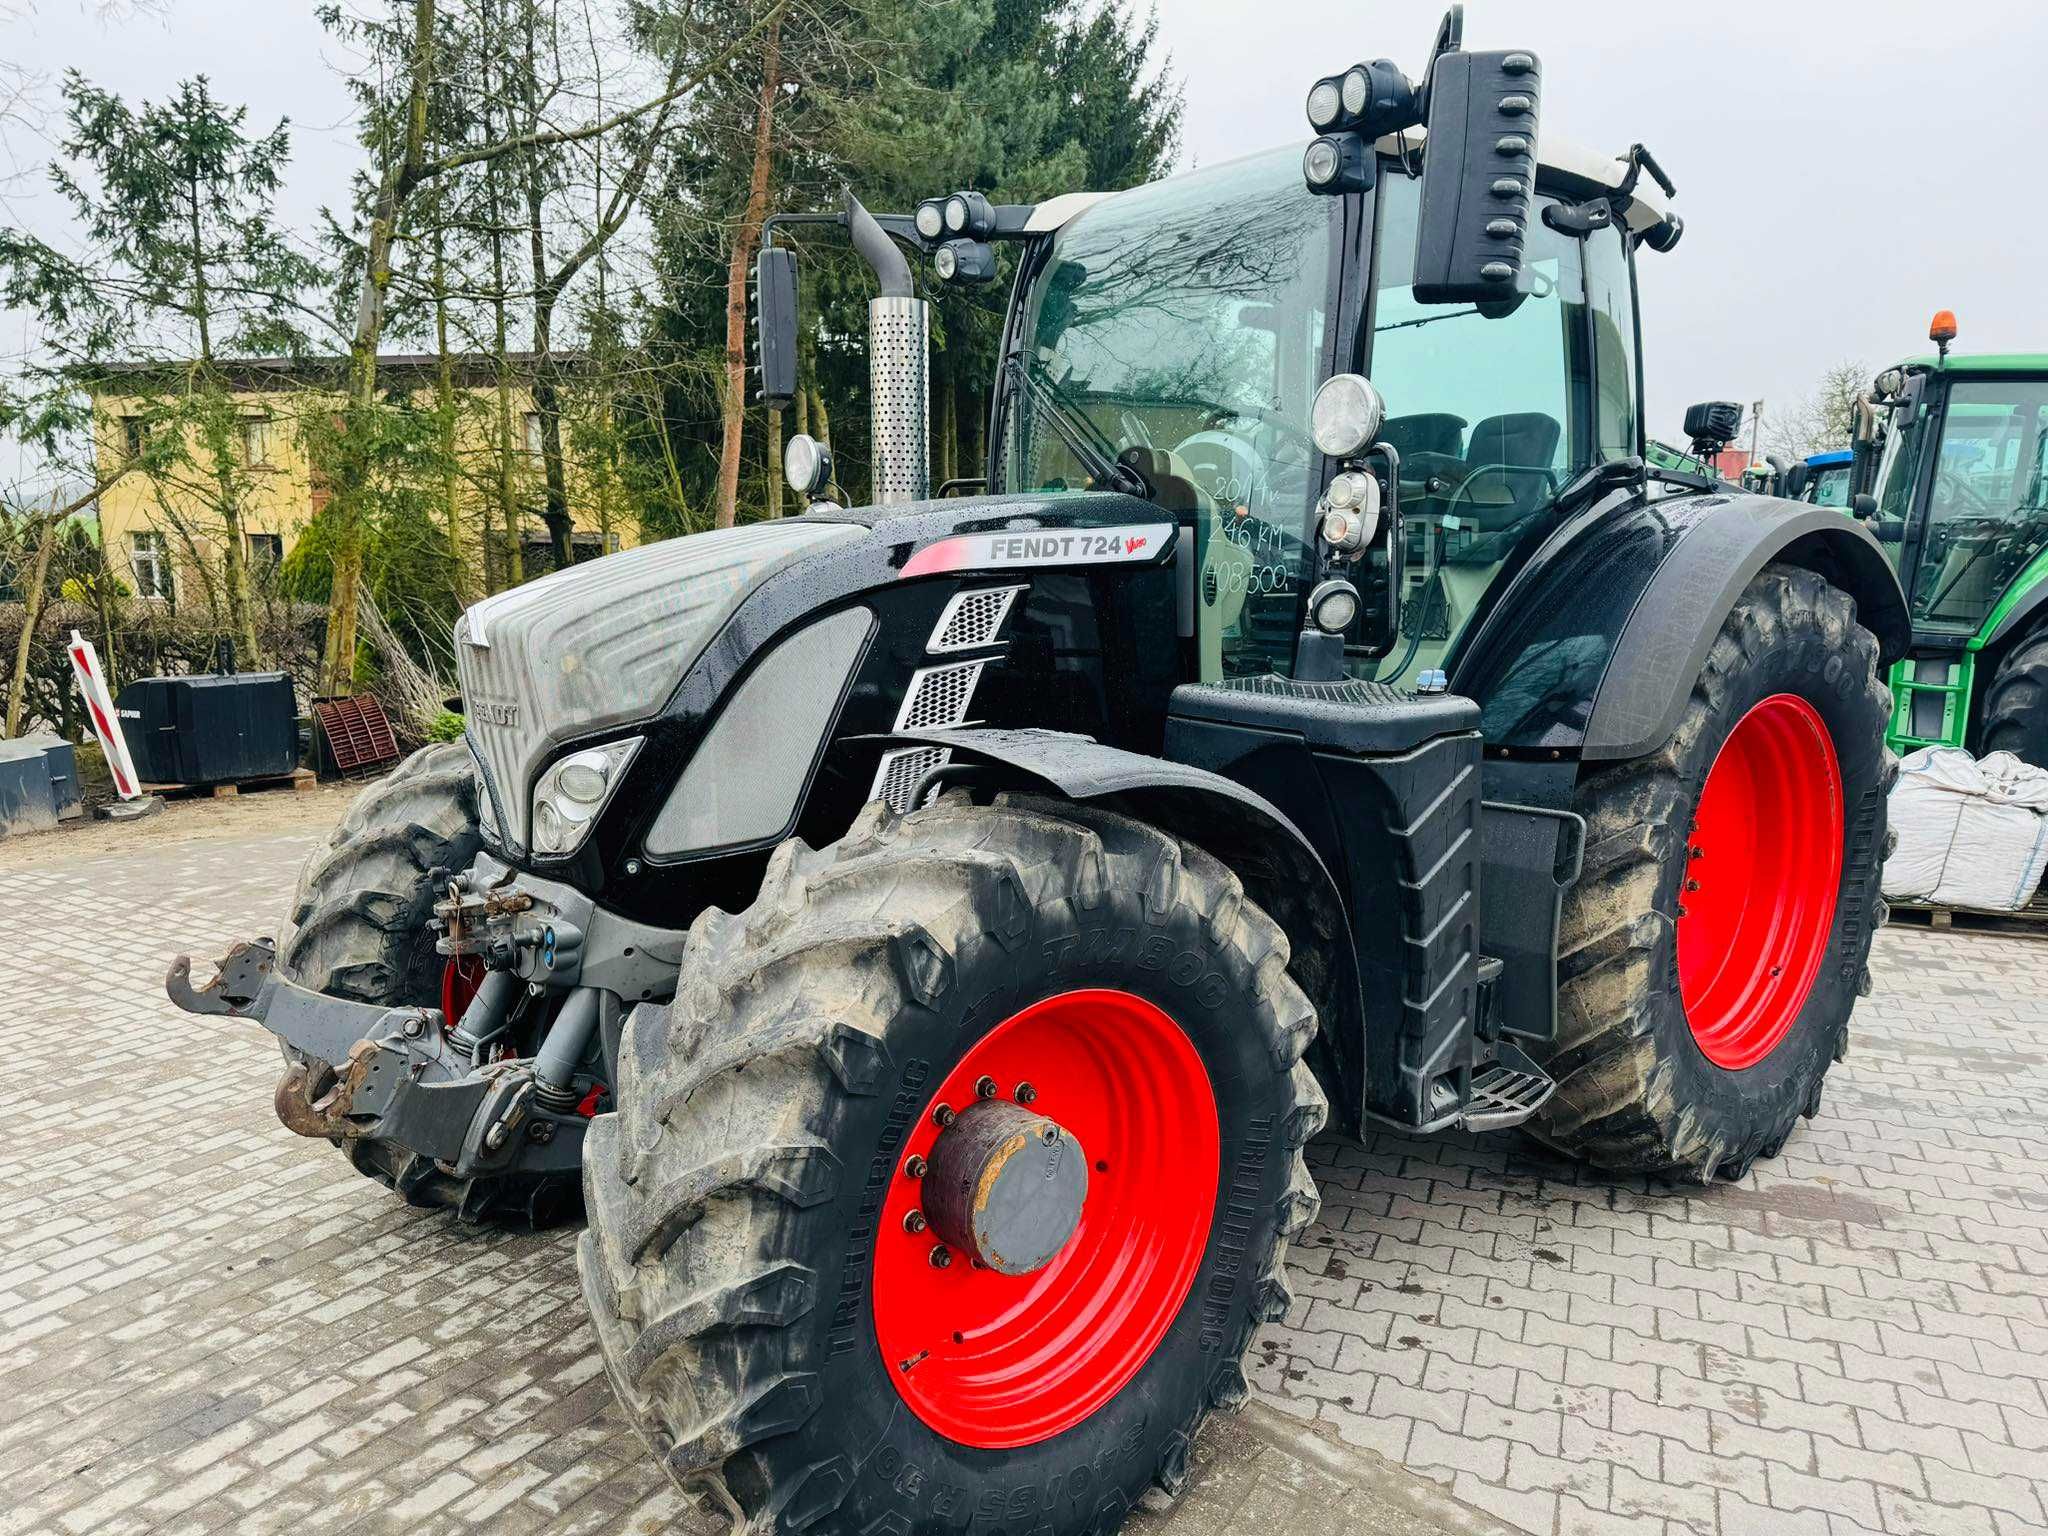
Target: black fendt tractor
[(934, 930)]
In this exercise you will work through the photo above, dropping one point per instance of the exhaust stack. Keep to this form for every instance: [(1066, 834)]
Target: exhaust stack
[(899, 349)]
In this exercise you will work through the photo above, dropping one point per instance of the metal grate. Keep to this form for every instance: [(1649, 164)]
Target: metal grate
[(972, 619), (357, 734), (901, 772), (938, 696)]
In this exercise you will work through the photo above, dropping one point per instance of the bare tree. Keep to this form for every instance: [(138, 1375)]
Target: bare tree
[(408, 166), (1821, 420), (744, 239)]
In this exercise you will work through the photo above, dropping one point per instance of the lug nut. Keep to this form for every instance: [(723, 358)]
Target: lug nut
[(914, 1169), (1026, 1094), (985, 1088), (942, 1257), (942, 1116), (914, 1222)]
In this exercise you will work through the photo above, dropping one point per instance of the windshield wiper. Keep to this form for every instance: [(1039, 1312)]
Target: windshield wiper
[(1081, 435)]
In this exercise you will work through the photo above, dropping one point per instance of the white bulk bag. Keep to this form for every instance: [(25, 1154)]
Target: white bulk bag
[(1971, 834)]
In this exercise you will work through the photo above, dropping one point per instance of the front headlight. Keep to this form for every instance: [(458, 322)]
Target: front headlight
[(1346, 416), (571, 793)]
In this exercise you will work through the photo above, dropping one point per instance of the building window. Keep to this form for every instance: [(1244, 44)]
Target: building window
[(256, 442), (533, 446), (266, 551), (134, 437), (148, 563)]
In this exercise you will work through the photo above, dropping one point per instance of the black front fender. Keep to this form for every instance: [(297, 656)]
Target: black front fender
[(1280, 869)]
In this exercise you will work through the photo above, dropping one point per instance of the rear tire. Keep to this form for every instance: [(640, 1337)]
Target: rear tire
[(1645, 1082), (746, 1256), (359, 930), (2016, 704)]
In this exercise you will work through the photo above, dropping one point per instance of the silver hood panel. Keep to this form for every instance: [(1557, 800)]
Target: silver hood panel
[(603, 644)]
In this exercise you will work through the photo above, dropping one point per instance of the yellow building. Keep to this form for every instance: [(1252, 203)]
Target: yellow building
[(156, 524)]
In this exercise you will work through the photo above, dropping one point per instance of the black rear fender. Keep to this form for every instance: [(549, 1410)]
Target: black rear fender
[(1595, 645)]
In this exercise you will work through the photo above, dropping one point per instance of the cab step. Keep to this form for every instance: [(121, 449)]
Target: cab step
[(1505, 1091)]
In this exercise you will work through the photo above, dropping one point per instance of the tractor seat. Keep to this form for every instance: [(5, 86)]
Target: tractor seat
[(1432, 432), (1509, 464), (1353, 717)]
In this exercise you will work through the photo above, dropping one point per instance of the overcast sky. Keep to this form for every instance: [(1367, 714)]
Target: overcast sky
[(1844, 168)]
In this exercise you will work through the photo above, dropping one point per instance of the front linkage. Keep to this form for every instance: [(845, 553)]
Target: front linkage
[(460, 1094)]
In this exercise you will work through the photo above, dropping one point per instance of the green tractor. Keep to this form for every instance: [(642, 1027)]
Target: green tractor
[(924, 936), (1951, 474)]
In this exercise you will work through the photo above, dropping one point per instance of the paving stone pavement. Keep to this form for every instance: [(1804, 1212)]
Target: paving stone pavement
[(209, 1325)]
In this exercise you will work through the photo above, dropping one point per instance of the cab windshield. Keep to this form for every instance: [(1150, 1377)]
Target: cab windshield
[(1987, 498), (1182, 327), (1184, 324), (1829, 486)]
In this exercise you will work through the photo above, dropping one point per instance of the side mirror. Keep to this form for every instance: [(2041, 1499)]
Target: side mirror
[(1863, 505), (1796, 478), (775, 325), (1478, 178)]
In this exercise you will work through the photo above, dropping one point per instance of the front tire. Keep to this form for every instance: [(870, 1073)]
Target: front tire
[(771, 1316), (1720, 932), (2016, 704)]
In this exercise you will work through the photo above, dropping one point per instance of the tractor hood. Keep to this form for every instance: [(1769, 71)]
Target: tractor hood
[(603, 644)]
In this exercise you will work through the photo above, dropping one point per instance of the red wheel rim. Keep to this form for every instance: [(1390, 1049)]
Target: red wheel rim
[(460, 978), (1001, 1361), (1762, 873)]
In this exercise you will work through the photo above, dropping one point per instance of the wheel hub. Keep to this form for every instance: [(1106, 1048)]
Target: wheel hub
[(1005, 1187)]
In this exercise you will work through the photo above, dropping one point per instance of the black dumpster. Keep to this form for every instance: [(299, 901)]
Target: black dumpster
[(210, 730), (27, 801)]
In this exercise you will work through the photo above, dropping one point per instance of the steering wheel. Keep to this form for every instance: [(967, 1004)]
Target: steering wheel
[(1956, 488), (1237, 473), (1266, 416)]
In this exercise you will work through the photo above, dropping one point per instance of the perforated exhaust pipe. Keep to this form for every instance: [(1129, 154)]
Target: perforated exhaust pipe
[(899, 368)]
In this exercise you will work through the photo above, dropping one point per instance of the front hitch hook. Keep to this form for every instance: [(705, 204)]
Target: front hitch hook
[(238, 986)]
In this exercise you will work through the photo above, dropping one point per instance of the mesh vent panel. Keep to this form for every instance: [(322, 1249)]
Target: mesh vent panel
[(939, 696), (901, 772), (972, 619)]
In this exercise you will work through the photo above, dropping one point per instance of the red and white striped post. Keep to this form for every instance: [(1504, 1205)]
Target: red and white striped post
[(85, 661)]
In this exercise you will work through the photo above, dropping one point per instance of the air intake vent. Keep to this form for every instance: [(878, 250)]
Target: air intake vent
[(972, 619), (901, 773), (937, 700), (939, 696)]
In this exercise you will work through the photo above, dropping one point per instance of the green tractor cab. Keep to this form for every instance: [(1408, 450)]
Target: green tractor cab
[(1951, 473)]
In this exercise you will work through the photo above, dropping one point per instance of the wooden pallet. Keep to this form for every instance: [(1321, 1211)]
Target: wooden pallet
[(300, 780), (2030, 922)]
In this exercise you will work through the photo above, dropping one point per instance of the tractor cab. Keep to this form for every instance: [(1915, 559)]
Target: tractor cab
[(1359, 444), (1821, 479), (1951, 473), (1190, 325)]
